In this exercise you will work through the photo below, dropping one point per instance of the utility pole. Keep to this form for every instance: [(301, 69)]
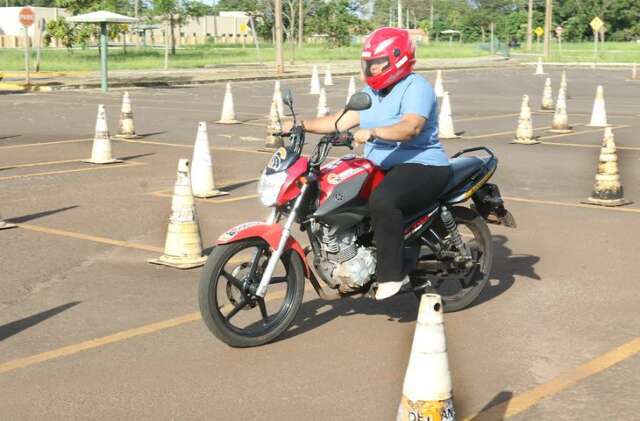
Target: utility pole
[(399, 13), (137, 26), (300, 24), (278, 28), (530, 26), (547, 26)]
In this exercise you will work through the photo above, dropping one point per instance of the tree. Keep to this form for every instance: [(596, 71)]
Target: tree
[(338, 20)]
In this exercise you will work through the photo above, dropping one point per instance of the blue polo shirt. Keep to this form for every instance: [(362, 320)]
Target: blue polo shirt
[(412, 95)]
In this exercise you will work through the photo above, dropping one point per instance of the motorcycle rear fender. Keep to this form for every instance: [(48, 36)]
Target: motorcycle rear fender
[(271, 233)]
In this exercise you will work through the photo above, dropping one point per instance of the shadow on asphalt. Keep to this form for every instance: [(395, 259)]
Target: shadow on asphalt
[(234, 186), (498, 413), (32, 216), (9, 137), (506, 266), (130, 157), (144, 135), (13, 328), (404, 308)]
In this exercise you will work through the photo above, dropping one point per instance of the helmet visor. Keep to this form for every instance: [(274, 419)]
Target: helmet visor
[(375, 66)]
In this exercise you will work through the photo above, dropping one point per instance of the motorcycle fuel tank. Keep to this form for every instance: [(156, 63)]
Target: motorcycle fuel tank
[(346, 183)]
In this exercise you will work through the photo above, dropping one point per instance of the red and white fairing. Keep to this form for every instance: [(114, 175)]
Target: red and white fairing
[(346, 170)]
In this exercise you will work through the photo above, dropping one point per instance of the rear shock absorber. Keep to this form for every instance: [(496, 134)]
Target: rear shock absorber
[(452, 229)]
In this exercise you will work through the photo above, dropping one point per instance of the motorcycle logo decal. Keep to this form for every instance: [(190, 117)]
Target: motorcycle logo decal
[(228, 236), (277, 158), (334, 179)]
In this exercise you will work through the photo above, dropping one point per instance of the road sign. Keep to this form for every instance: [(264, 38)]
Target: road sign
[(244, 28), (539, 31), (559, 30), (27, 16), (596, 24)]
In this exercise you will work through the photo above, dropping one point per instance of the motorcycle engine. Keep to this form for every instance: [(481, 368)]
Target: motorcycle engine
[(352, 264)]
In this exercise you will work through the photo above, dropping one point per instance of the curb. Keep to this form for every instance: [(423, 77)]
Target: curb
[(58, 86)]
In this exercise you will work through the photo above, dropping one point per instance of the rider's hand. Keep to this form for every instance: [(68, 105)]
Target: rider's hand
[(287, 126), (362, 135)]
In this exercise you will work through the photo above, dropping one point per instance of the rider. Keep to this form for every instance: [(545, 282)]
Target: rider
[(401, 135)]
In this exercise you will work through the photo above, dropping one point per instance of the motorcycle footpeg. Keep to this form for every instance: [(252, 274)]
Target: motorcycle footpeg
[(508, 220)]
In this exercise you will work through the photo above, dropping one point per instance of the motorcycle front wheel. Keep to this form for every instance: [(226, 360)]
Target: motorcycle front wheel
[(228, 304)]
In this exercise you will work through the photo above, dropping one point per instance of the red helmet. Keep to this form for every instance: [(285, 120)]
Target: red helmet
[(392, 48)]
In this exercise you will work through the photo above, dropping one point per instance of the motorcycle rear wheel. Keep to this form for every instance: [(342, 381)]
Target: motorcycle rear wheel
[(470, 223), (227, 287)]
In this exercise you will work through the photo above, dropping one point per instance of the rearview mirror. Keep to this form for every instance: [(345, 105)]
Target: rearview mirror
[(358, 102), (287, 97)]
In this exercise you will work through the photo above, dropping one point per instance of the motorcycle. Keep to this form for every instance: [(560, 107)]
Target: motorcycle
[(253, 282)]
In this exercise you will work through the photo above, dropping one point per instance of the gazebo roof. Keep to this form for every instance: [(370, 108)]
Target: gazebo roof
[(102, 16)]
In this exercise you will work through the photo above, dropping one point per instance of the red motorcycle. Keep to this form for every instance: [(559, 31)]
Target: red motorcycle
[(253, 282)]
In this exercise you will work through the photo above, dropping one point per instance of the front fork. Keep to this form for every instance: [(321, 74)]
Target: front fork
[(286, 233)]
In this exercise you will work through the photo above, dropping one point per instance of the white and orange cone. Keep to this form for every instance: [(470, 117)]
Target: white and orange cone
[(228, 114), (607, 190), (275, 126), (183, 245), (563, 85), (445, 120), (328, 78), (438, 86), (560, 118), (599, 112), (524, 132), (202, 181), (314, 89), (126, 126), (352, 88), (547, 97), (101, 150), (426, 392), (323, 108), (539, 68)]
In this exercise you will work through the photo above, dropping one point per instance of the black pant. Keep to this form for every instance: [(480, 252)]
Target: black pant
[(405, 190)]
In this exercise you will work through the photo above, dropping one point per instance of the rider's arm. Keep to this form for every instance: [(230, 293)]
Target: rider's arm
[(409, 126), (326, 124)]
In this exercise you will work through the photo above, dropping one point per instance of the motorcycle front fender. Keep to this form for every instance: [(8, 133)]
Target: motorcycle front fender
[(271, 233)]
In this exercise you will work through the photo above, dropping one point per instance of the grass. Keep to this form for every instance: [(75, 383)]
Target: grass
[(624, 52), (202, 55)]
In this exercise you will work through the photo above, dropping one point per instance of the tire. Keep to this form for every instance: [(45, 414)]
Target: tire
[(210, 296), (477, 225)]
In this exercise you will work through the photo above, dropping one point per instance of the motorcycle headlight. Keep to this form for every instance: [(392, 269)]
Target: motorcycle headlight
[(269, 187)]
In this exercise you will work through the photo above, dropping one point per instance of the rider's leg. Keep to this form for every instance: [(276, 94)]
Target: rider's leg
[(405, 190)]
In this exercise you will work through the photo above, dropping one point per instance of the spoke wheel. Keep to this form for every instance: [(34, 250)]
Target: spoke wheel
[(228, 301), (461, 285)]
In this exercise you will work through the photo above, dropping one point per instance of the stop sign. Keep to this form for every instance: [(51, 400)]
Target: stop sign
[(27, 16)]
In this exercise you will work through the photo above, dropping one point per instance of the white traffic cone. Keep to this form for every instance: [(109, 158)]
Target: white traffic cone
[(539, 68), (352, 88), (524, 132), (560, 118), (101, 150), (274, 127), (547, 97), (599, 112), (438, 87), (323, 109), (126, 126), (5, 225), (634, 72), (202, 181), (607, 190), (563, 85), (426, 392), (277, 97), (183, 246), (228, 115), (328, 79), (445, 120), (315, 82)]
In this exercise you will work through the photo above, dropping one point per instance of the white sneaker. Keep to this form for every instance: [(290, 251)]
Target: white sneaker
[(388, 289)]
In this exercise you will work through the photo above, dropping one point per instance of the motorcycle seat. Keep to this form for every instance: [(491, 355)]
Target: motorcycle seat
[(462, 168)]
